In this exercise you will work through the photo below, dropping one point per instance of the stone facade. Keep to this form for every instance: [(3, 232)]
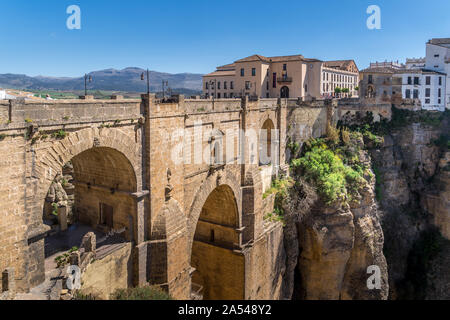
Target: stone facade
[(123, 155)]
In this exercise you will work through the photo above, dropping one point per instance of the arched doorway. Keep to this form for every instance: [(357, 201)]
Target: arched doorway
[(266, 135), (219, 271), (93, 192), (284, 92)]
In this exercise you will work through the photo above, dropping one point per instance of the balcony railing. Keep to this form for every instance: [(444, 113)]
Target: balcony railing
[(284, 79)]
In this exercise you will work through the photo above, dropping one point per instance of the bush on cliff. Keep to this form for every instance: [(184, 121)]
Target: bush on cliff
[(323, 166)]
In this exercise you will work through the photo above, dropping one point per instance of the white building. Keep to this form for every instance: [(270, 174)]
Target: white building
[(2, 94), (415, 63), (438, 59), (426, 85)]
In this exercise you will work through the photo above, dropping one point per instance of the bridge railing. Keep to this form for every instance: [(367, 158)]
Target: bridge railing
[(68, 111)]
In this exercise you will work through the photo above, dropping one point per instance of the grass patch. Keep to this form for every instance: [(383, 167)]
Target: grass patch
[(142, 293), (280, 187)]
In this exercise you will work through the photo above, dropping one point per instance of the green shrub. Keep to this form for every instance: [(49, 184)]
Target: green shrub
[(141, 293), (334, 180), (61, 134)]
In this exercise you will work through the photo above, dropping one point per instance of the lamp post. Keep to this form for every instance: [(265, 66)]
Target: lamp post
[(148, 80), (86, 79), (215, 90), (164, 83)]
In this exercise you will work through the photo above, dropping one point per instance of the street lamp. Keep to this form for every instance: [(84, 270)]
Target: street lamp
[(215, 91), (148, 80), (215, 87), (86, 79), (164, 83)]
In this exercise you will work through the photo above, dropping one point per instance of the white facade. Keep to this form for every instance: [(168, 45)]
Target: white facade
[(2, 94), (438, 59), (415, 63), (428, 87), (334, 78)]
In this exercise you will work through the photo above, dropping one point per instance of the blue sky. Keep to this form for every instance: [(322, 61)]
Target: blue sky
[(197, 35)]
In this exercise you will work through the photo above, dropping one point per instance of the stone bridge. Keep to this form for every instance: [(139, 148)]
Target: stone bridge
[(183, 178)]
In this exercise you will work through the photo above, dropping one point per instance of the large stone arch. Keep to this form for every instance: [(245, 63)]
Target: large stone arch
[(214, 180), (218, 263), (48, 162)]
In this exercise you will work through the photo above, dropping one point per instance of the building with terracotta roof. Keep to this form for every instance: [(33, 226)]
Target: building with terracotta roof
[(291, 76)]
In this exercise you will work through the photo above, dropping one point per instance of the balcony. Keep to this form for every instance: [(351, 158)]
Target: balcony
[(284, 79)]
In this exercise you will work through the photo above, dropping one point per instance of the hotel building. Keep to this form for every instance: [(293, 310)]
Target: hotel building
[(282, 77)]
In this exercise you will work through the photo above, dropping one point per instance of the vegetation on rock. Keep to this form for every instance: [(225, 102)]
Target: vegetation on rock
[(141, 293), (333, 165)]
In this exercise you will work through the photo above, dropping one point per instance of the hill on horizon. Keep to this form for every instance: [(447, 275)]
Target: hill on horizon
[(125, 80)]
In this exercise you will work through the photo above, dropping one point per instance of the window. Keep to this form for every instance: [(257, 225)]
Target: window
[(225, 95), (416, 94), (231, 85), (218, 95), (440, 81), (439, 92), (436, 56), (212, 236), (427, 92), (284, 67), (242, 72), (409, 80), (267, 95), (427, 80), (218, 85), (247, 85), (253, 72), (427, 101), (408, 94), (274, 80), (370, 79), (206, 85), (306, 88), (439, 101), (416, 80), (267, 85)]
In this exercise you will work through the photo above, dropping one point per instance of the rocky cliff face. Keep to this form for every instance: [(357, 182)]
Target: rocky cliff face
[(400, 220), (330, 247), (413, 190)]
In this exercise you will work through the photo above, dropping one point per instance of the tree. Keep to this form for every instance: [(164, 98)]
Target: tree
[(338, 91), (345, 90)]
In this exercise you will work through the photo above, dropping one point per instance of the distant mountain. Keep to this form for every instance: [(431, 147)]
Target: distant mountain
[(126, 80)]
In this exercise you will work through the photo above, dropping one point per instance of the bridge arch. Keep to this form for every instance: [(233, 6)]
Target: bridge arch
[(104, 165), (215, 238)]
